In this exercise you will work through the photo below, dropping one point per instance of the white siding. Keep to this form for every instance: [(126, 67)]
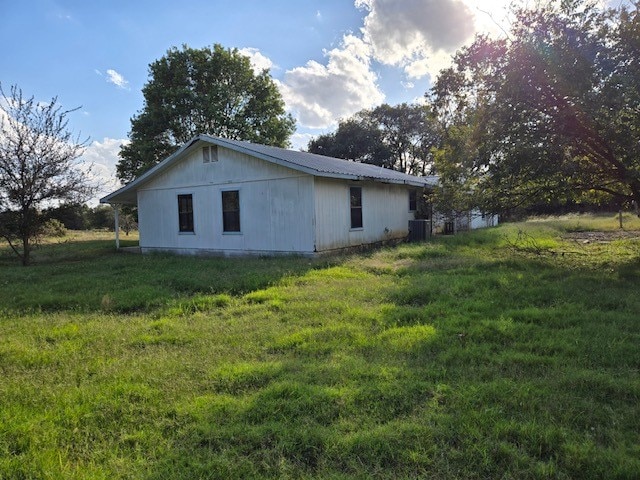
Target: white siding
[(276, 207), (478, 220), (385, 212)]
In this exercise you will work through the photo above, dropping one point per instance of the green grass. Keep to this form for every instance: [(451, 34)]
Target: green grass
[(505, 353)]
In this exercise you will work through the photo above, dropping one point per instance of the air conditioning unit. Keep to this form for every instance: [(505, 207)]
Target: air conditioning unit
[(419, 230)]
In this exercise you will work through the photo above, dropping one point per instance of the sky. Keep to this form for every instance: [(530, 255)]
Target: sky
[(330, 58)]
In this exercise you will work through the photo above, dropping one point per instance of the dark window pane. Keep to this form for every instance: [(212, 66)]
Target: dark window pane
[(185, 213), (413, 201), (231, 211), (355, 195), (356, 218)]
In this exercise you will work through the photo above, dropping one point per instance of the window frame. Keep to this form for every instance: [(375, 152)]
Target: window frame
[(226, 227), (413, 201), (356, 220), (210, 154), (183, 226)]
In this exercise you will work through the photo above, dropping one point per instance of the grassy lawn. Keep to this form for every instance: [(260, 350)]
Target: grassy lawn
[(510, 352)]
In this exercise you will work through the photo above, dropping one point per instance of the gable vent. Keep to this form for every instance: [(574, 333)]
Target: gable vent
[(210, 154)]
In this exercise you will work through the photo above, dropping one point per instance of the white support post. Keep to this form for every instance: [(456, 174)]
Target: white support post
[(116, 217)]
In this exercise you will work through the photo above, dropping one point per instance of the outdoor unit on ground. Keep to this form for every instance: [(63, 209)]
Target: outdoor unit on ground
[(419, 230)]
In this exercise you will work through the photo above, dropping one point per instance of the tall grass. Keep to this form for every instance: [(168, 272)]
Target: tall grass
[(465, 357)]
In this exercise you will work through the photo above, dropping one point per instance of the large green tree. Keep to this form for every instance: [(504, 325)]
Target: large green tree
[(398, 137), (553, 110), (212, 90)]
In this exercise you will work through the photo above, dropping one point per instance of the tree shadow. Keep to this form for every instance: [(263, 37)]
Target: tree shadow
[(89, 275), (466, 369)]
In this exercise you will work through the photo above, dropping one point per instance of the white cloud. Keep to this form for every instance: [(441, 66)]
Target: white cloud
[(299, 141), (117, 79), (431, 64), (490, 16), (99, 160), (397, 29), (259, 62), (320, 94), (417, 35)]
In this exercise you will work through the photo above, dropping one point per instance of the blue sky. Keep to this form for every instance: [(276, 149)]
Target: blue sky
[(330, 58)]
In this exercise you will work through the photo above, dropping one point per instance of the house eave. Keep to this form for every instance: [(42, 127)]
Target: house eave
[(128, 193)]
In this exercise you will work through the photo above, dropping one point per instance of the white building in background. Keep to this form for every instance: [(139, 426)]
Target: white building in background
[(229, 197)]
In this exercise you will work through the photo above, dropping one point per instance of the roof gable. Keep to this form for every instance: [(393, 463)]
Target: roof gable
[(317, 165)]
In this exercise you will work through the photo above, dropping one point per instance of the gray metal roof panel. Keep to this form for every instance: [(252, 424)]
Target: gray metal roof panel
[(326, 166), (311, 163)]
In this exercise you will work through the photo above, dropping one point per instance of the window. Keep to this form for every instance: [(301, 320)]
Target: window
[(231, 211), (413, 200), (210, 154), (355, 196), (185, 213)]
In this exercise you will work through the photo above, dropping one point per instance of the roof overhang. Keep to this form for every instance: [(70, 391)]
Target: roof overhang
[(127, 195)]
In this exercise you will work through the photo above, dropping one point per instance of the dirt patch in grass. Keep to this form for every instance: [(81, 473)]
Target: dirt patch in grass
[(602, 237)]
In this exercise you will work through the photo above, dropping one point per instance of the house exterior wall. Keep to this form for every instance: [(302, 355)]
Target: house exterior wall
[(478, 220), (385, 212), (469, 220), (276, 207)]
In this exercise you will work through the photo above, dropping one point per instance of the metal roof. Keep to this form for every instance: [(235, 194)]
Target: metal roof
[(313, 164)]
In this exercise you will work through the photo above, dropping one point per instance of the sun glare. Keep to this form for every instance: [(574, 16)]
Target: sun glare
[(490, 15)]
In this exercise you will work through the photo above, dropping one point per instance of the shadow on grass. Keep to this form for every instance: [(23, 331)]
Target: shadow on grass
[(484, 368), (441, 360), (91, 276)]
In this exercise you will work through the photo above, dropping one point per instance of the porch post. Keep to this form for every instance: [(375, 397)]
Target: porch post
[(116, 217)]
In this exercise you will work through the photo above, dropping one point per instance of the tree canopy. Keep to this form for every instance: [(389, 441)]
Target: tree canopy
[(212, 90), (397, 137), (37, 166), (552, 111)]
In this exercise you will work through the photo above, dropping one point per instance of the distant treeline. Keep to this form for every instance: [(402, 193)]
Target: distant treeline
[(82, 217)]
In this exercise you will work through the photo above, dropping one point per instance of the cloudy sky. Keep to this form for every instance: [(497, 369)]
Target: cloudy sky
[(330, 58)]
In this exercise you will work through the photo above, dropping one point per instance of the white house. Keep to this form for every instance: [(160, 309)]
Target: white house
[(231, 197), (463, 221)]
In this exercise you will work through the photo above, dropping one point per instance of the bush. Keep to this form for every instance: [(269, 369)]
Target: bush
[(53, 228)]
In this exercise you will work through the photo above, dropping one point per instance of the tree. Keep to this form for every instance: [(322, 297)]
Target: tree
[(72, 216), (356, 138), (456, 193), (553, 110), (398, 137), (210, 90), (37, 166)]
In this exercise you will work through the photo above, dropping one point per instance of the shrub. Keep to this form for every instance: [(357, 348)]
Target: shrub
[(53, 228)]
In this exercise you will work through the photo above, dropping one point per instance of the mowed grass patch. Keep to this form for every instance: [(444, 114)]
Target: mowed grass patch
[(464, 357)]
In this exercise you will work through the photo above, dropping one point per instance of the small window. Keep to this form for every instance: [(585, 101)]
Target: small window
[(210, 154), (185, 213), (231, 211), (355, 199), (413, 200)]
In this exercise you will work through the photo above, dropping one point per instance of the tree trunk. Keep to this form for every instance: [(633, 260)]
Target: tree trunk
[(620, 218), (26, 250), (635, 195)]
